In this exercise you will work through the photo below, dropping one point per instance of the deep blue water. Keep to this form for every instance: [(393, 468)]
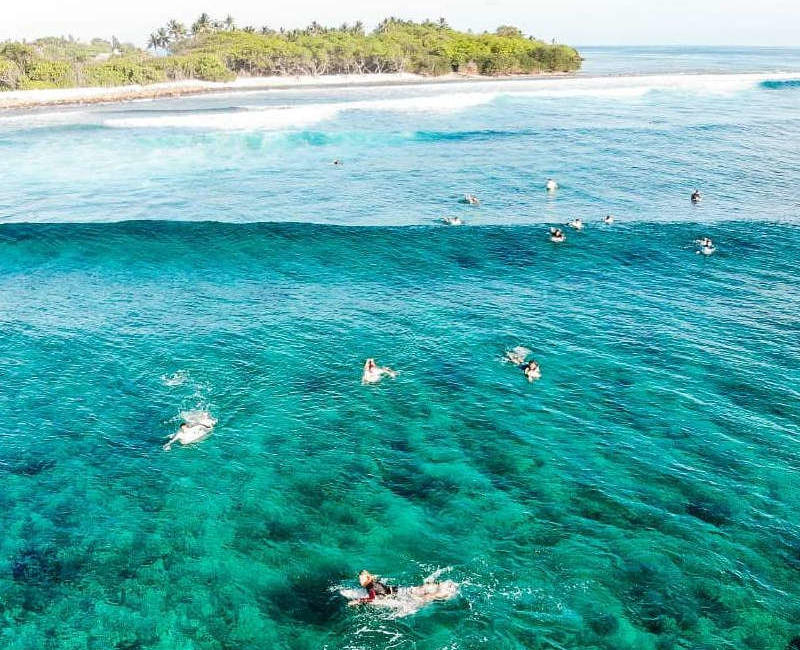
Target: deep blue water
[(204, 253)]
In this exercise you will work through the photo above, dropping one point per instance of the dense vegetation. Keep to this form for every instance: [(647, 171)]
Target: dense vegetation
[(219, 50)]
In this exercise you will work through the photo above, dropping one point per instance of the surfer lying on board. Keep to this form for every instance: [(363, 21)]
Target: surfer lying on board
[(375, 588), (408, 599), (197, 425)]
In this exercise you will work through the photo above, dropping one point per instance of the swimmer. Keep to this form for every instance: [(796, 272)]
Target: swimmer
[(471, 199), (608, 219), (337, 162), (532, 370), (557, 235), (577, 224), (551, 185), (706, 249), (195, 428), (696, 198), (374, 373), (453, 221)]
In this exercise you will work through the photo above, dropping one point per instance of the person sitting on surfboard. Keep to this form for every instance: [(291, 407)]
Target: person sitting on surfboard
[(375, 588)]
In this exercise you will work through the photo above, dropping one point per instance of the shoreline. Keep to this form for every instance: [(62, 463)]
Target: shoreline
[(26, 99)]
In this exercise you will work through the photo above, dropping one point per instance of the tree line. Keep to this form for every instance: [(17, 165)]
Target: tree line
[(219, 50)]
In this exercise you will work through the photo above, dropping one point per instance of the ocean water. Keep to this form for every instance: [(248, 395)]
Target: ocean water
[(204, 253)]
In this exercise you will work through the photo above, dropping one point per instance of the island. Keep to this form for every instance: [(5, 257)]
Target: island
[(220, 52)]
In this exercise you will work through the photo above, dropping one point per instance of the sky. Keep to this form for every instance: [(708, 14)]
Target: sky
[(576, 22)]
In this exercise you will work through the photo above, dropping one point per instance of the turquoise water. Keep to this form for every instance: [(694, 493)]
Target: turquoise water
[(643, 494)]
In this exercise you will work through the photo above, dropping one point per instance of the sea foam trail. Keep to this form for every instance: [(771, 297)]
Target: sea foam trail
[(282, 117), (436, 98), (456, 99)]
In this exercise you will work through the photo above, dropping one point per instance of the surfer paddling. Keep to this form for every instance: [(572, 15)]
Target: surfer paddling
[(375, 588), (407, 598), (197, 425)]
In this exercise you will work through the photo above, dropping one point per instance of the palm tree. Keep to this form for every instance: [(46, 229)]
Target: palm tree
[(249, 29), (202, 24), (230, 24), (358, 28), (266, 29), (163, 37), (176, 30), (153, 42)]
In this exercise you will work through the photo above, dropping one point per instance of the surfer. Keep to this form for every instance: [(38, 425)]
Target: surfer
[(577, 224), (551, 185), (453, 221), (337, 162), (375, 588), (696, 198), (608, 219), (409, 599), (557, 235), (373, 373), (471, 199), (532, 370), (196, 427)]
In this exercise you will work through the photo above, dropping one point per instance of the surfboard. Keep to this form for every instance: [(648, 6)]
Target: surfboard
[(408, 599)]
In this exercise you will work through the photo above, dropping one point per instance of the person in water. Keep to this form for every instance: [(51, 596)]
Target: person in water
[(190, 432), (696, 198), (532, 370), (337, 162), (375, 588), (373, 372)]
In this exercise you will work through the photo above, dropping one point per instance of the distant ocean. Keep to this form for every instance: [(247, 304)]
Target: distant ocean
[(204, 253)]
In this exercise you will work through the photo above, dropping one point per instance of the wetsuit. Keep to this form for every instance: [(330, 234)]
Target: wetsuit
[(377, 588)]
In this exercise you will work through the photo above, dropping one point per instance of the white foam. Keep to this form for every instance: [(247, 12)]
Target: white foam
[(286, 117), (198, 416), (175, 379), (283, 117), (638, 86), (436, 97), (29, 120)]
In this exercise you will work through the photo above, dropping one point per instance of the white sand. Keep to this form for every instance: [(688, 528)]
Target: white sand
[(55, 96)]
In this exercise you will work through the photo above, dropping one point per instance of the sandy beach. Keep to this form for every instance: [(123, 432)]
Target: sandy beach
[(17, 99)]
